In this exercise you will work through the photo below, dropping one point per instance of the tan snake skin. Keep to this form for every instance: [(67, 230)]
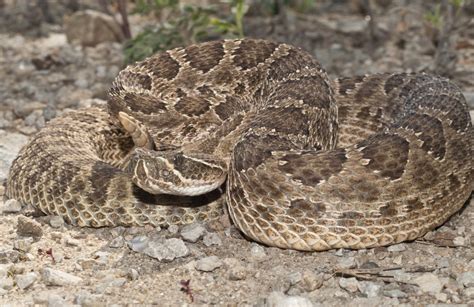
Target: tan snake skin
[(267, 116)]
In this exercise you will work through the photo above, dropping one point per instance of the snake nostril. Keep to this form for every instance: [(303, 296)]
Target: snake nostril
[(165, 173)]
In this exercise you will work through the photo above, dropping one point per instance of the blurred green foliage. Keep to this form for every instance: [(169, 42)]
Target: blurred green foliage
[(182, 25), (435, 16)]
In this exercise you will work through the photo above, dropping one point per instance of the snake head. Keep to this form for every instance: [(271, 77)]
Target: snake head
[(176, 173)]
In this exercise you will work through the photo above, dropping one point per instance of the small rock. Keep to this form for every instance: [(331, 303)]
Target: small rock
[(212, 238), (9, 255), (85, 298), (72, 242), (236, 270), (6, 283), (395, 293), (5, 270), (397, 248), (310, 281), (11, 206), (28, 228), (55, 300), (56, 221), (23, 245), (278, 299), (347, 263), (110, 282), (469, 292), (442, 297), (132, 274), (90, 28), (459, 241), (118, 242), (101, 257), (257, 251), (59, 278), (208, 264), (466, 279), (428, 282), (193, 232), (23, 110), (173, 229), (24, 281), (161, 249), (349, 284), (369, 289), (294, 278)]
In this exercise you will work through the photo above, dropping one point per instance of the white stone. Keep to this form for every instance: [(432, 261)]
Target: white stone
[(24, 281), (429, 282), (350, 284), (193, 232), (208, 264), (59, 278), (278, 299)]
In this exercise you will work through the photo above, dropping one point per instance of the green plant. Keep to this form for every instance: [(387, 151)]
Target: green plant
[(434, 17), (233, 27), (182, 25)]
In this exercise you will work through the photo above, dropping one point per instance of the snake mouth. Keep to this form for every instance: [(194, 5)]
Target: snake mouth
[(194, 190), (157, 175)]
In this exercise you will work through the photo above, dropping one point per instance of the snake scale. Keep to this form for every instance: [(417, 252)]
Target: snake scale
[(302, 162)]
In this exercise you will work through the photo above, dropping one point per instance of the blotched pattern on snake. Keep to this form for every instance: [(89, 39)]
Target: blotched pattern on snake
[(302, 162)]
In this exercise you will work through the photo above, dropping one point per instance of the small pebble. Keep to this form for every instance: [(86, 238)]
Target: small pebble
[(369, 289), (55, 300), (211, 238), (132, 274), (257, 251), (442, 297), (23, 245), (469, 292), (24, 281), (208, 264), (311, 281), (466, 279), (428, 282), (56, 221), (294, 278), (85, 298), (72, 242), (11, 206), (6, 283), (4, 270), (459, 241), (173, 229), (350, 284), (110, 282), (101, 257), (27, 227), (236, 270), (347, 263), (397, 248), (8, 255), (193, 232), (278, 299), (118, 242), (161, 249), (59, 278)]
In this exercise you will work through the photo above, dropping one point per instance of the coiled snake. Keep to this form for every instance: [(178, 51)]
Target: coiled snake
[(308, 164)]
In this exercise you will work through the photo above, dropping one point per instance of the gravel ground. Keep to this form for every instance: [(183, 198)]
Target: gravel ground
[(44, 261)]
